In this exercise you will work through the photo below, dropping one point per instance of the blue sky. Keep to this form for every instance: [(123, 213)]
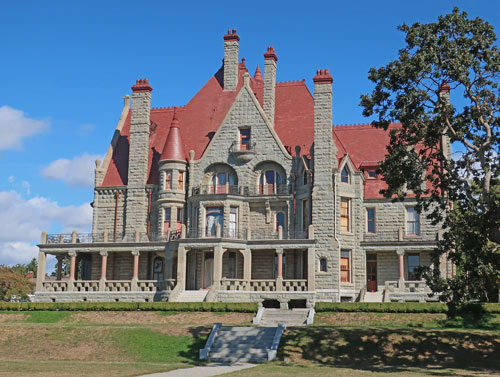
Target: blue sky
[(67, 64)]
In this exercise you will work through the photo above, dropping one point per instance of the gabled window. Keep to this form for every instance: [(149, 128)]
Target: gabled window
[(245, 139), (370, 220), (345, 221), (344, 175), (168, 180), (345, 266), (412, 221)]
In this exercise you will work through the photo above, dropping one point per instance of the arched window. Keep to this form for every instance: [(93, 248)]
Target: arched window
[(270, 183), (158, 269), (280, 220), (322, 264), (214, 217), (222, 183), (344, 176)]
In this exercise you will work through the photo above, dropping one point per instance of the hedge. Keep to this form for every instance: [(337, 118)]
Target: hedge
[(247, 307), (402, 307)]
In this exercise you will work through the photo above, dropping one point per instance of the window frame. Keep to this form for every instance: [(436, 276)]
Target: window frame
[(167, 210), (321, 261), (168, 179), (410, 269), (284, 220), (180, 180), (408, 222), (345, 216), (349, 265), (373, 220), (345, 178), (208, 211), (245, 140), (264, 185)]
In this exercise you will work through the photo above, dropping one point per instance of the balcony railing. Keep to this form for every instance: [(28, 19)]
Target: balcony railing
[(259, 190), (109, 286)]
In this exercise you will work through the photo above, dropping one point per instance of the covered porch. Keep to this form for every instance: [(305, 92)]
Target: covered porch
[(245, 268)]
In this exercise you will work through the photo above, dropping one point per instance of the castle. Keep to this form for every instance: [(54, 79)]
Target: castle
[(246, 193)]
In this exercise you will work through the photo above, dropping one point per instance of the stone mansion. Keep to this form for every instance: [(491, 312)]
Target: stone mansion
[(246, 193)]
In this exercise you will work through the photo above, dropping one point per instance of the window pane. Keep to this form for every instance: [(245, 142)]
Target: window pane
[(370, 216), (270, 177), (344, 177), (214, 217), (322, 265), (280, 220), (413, 263)]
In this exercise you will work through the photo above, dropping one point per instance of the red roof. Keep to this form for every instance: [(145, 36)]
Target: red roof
[(200, 118)]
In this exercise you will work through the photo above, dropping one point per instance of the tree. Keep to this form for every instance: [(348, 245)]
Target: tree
[(454, 55), (25, 268), (14, 284)]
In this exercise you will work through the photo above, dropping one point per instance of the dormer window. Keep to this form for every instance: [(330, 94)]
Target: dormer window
[(372, 174), (344, 176), (245, 139)]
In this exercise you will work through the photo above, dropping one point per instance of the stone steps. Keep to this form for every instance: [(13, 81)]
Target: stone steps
[(242, 344), (293, 317), (374, 297), (192, 296)]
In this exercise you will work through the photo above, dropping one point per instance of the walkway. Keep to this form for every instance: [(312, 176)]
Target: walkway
[(214, 369)]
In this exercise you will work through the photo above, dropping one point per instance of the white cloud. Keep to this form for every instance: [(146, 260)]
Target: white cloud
[(23, 221), (86, 129), (16, 126), (78, 172)]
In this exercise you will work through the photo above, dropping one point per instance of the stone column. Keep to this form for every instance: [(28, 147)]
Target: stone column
[(104, 266), (247, 267), (40, 275), (135, 273), (311, 269), (401, 257), (59, 267), (72, 270), (181, 268), (218, 252), (279, 278), (168, 263)]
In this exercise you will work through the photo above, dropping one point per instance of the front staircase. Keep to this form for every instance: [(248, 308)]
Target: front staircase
[(374, 296), (192, 296), (287, 317), (242, 344)]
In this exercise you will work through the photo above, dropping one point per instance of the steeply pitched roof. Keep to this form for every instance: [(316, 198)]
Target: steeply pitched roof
[(200, 118)]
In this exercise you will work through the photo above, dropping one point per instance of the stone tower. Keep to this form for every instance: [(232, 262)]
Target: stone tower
[(323, 196), (137, 202), (172, 167)]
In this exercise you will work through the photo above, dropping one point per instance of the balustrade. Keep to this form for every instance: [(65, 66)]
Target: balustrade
[(263, 285), (295, 285)]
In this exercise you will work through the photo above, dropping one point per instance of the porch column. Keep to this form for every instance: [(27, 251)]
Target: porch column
[(135, 274), (168, 263), (104, 266), (311, 269), (59, 266), (40, 272), (401, 257), (247, 266), (279, 278), (218, 251), (181, 268), (72, 270)]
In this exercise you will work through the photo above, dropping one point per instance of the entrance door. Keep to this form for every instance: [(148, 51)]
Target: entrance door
[(208, 270), (371, 272)]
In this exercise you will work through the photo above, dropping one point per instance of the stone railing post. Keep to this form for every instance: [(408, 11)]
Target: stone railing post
[(104, 266), (105, 236), (218, 231), (280, 232), (135, 273), (311, 269), (181, 268), (247, 267), (183, 231), (74, 236), (218, 252), (310, 232), (43, 239)]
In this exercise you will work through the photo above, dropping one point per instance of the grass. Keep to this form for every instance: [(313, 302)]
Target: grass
[(108, 344)]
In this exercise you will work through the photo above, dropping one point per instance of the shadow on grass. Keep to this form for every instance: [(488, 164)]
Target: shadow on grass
[(386, 350), (200, 336)]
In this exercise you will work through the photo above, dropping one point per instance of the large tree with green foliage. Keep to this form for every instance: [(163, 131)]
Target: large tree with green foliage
[(459, 55), (14, 284)]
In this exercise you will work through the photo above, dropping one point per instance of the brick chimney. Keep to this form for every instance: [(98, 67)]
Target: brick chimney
[(231, 47), (136, 205), (270, 60)]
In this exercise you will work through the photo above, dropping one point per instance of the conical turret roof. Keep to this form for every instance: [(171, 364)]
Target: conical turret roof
[(174, 147)]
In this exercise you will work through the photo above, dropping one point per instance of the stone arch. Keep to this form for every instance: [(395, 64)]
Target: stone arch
[(262, 176), (221, 178)]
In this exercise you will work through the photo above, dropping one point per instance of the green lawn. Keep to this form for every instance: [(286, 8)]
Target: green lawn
[(109, 344)]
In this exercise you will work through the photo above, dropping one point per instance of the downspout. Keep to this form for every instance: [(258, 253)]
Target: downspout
[(149, 212), (117, 196)]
